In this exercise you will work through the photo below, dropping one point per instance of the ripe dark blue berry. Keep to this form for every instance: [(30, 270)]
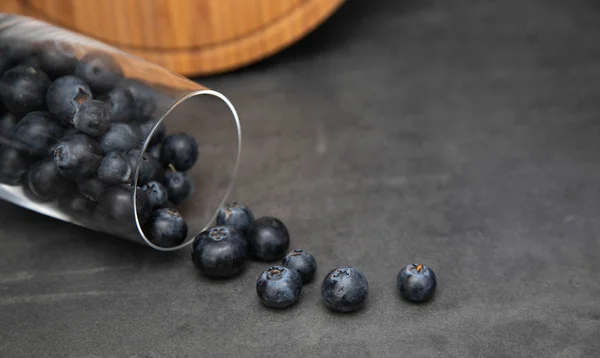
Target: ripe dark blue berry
[(100, 71), (77, 156), (268, 238), (115, 169), (344, 289), (56, 58), (150, 168), (22, 89), (65, 96), (219, 251), (13, 165), (144, 97), (92, 188), (45, 181), (76, 205), (120, 102), (154, 151), (93, 118), (157, 194), (38, 132), (120, 137), (303, 262), (237, 215), (279, 287), (166, 228), (179, 186), (8, 121), (416, 282), (116, 206), (15, 51), (146, 128), (180, 150)]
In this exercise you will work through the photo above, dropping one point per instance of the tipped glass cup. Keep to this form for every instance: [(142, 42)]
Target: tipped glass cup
[(57, 89)]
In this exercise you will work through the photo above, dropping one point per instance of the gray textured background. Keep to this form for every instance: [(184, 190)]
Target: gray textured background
[(463, 134)]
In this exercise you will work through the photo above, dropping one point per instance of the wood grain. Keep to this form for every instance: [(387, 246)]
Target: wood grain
[(192, 37)]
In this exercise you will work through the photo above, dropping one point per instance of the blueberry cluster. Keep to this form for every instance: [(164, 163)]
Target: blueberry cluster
[(71, 132)]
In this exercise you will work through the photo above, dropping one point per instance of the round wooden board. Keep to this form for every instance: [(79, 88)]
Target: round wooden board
[(192, 37)]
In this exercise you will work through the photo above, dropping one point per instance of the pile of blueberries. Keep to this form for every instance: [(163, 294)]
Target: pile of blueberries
[(222, 251), (71, 133)]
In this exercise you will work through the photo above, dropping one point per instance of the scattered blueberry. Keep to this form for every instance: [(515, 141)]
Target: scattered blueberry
[(65, 96), (166, 228), (302, 262), (38, 132), (56, 58), (157, 194), (150, 168), (116, 206), (13, 165), (22, 89), (416, 283), (92, 188), (344, 289), (237, 215), (268, 238), (77, 156), (45, 181), (179, 186), (93, 118), (115, 169), (219, 251), (100, 71), (120, 137), (144, 97), (279, 287), (120, 102), (180, 150)]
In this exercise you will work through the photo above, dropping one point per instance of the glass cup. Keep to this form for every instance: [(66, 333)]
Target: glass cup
[(99, 138)]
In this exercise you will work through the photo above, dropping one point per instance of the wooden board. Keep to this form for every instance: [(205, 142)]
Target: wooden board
[(192, 37)]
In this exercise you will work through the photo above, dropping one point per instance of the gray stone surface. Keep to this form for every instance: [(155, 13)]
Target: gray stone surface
[(461, 134)]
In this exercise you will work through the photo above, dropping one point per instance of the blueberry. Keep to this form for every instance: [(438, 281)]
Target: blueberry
[(78, 156), (157, 194), (179, 186), (146, 128), (237, 215), (56, 58), (115, 169), (416, 283), (344, 289), (65, 96), (144, 97), (15, 50), (30, 195), (279, 287), (100, 70), (116, 206), (268, 238), (302, 262), (150, 168), (181, 150), (219, 251), (120, 137), (166, 228), (93, 118), (8, 121), (92, 188), (38, 132), (120, 102), (168, 205), (22, 89), (45, 181), (154, 150), (13, 165), (76, 205)]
